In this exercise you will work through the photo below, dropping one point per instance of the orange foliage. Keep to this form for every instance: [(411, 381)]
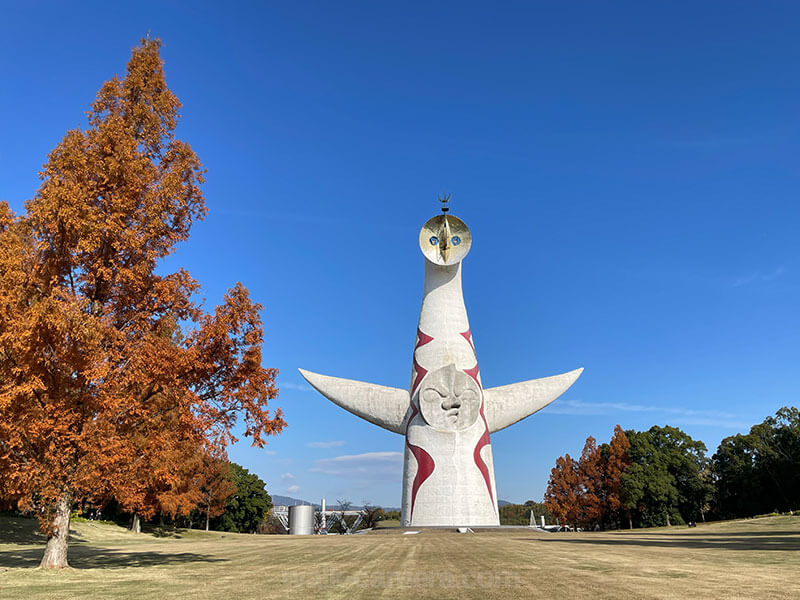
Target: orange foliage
[(590, 479), (111, 375), (215, 484), (618, 460), (588, 491), (562, 497)]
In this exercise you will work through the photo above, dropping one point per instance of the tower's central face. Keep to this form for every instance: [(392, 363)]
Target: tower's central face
[(445, 240), (449, 399)]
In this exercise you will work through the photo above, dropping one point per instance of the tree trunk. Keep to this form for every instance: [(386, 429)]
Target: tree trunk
[(630, 521), (136, 524), (208, 518), (55, 553), (703, 515), (668, 523)]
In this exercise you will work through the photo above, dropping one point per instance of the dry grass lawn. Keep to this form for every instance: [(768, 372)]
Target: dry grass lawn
[(755, 558)]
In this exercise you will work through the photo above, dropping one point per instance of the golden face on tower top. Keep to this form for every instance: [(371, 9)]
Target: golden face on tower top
[(445, 240)]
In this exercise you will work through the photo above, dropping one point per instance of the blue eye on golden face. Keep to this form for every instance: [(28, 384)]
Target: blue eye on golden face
[(444, 240)]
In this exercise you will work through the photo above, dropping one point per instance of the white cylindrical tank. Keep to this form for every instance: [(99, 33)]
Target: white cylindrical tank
[(301, 520)]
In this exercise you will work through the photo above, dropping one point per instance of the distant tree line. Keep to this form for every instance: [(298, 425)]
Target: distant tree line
[(663, 477), (225, 497), (520, 514)]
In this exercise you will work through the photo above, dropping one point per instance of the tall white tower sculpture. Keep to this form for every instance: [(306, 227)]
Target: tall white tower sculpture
[(446, 416)]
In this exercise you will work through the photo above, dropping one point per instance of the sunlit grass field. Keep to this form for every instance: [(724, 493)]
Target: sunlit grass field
[(754, 558)]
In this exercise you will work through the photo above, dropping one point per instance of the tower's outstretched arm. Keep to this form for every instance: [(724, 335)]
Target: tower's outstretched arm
[(380, 405), (507, 404)]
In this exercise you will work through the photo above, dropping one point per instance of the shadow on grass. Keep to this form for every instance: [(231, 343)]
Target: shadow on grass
[(93, 557), (164, 532), (786, 541), (20, 530), (25, 531)]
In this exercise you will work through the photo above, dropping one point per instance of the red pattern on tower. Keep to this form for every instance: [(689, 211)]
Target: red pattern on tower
[(484, 439), (425, 464)]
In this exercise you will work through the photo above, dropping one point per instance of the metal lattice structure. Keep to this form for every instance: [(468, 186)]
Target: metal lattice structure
[(324, 519)]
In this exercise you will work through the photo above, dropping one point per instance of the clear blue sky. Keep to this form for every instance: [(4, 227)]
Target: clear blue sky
[(629, 170)]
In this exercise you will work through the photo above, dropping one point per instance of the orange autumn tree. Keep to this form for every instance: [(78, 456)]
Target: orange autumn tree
[(588, 491), (160, 469), (215, 482), (111, 374), (617, 461), (562, 497), (590, 481)]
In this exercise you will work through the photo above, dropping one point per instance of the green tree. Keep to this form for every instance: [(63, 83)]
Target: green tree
[(759, 472), (249, 505), (520, 514), (372, 515), (666, 482), (777, 445)]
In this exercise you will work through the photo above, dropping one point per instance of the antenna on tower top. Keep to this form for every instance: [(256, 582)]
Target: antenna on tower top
[(444, 199)]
